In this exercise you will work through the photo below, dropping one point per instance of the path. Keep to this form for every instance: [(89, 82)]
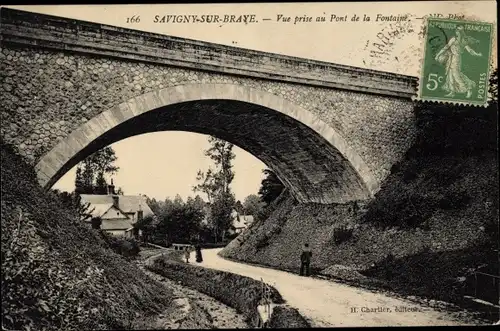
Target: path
[(328, 304)]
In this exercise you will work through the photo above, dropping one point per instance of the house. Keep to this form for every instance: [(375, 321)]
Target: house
[(241, 222), (118, 212)]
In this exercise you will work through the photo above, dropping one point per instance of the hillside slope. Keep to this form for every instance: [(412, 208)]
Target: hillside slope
[(433, 221), (58, 273)]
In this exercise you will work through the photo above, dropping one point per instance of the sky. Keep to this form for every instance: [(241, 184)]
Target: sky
[(156, 172)]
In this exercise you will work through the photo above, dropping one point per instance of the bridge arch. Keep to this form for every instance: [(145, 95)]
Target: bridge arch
[(309, 156)]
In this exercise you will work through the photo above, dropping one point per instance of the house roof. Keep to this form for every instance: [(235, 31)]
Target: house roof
[(100, 209), (126, 203)]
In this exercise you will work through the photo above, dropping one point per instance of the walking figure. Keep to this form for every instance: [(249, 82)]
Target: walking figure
[(199, 257), (305, 260), (187, 253)]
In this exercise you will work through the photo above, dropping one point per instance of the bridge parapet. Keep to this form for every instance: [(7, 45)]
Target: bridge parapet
[(39, 30)]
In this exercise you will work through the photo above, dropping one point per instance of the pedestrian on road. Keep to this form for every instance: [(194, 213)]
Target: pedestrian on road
[(199, 258), (305, 260), (187, 253)]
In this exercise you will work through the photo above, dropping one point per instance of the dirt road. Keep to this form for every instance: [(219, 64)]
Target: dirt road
[(328, 304)]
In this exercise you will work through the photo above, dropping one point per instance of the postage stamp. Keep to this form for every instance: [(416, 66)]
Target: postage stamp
[(456, 62)]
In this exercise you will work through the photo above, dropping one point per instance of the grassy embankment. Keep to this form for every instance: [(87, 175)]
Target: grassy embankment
[(434, 221), (59, 274)]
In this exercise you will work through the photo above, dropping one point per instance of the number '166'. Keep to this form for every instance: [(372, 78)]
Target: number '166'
[(433, 81)]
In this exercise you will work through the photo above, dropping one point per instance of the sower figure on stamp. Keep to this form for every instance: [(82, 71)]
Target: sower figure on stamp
[(450, 56), (305, 260)]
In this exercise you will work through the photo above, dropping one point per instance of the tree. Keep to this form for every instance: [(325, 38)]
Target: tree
[(73, 202), (101, 187), (88, 177), (271, 187), (178, 202), (154, 205), (197, 203), (238, 206), (79, 183), (252, 204), (91, 177), (220, 217), (179, 222), (207, 184), (103, 161), (147, 225), (215, 183)]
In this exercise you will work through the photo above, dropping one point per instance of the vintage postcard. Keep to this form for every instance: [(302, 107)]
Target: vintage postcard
[(270, 165)]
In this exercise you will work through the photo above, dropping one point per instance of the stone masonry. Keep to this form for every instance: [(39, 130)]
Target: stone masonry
[(69, 87)]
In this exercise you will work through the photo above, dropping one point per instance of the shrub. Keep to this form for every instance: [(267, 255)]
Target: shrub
[(342, 234), (96, 222), (410, 173), (454, 201), (426, 225), (287, 318), (387, 266), (126, 247), (262, 242)]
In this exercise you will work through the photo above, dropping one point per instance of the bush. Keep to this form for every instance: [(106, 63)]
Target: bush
[(287, 318), (96, 222), (126, 247), (454, 201), (342, 234), (262, 242)]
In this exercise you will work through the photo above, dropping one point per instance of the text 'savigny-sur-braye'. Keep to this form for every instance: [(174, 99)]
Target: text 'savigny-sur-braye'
[(251, 18)]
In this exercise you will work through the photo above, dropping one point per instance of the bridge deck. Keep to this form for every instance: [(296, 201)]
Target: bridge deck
[(39, 30)]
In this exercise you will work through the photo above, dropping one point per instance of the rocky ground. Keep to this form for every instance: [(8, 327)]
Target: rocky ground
[(194, 309)]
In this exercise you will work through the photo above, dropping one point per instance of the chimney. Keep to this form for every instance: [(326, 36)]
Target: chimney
[(111, 188), (115, 201), (140, 213)]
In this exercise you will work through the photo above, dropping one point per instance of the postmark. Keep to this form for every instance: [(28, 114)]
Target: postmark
[(456, 59)]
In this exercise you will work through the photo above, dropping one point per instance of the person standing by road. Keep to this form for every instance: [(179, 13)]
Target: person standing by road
[(187, 253), (199, 257), (305, 260)]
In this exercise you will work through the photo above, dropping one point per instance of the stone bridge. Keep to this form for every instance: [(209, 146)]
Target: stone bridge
[(70, 87)]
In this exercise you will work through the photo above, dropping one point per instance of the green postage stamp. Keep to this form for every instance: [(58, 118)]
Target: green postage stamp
[(456, 63)]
